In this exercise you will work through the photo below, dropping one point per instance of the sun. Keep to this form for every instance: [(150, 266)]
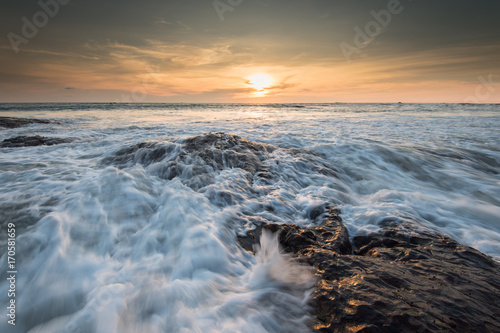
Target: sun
[(260, 82)]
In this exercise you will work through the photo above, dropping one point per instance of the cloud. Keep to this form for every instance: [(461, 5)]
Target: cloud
[(180, 49)]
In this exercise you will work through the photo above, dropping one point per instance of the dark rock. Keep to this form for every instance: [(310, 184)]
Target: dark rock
[(411, 283), (10, 122), (224, 151), (330, 236), (144, 153), (31, 141), (195, 159), (394, 281)]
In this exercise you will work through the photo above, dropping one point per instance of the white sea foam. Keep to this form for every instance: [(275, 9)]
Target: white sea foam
[(105, 246)]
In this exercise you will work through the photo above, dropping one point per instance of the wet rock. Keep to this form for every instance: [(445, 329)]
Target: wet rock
[(330, 237), (394, 280), (11, 122), (144, 153), (222, 151), (31, 141), (196, 159)]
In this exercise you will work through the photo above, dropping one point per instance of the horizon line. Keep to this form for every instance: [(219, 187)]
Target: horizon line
[(250, 103)]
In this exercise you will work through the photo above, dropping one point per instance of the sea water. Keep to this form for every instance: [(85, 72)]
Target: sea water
[(103, 246)]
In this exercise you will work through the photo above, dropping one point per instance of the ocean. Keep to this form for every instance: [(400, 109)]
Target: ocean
[(131, 227)]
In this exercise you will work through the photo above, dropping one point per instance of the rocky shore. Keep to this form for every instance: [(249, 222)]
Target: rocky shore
[(394, 280), (28, 141), (11, 122), (31, 141)]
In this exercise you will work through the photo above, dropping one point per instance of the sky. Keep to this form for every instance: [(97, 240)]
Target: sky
[(250, 51)]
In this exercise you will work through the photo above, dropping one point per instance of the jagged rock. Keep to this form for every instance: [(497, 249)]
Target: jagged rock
[(394, 280), (222, 151), (30, 141), (144, 153), (11, 122), (330, 236), (196, 159), (217, 150)]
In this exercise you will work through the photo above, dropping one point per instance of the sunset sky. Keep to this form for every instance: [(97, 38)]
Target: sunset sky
[(250, 51)]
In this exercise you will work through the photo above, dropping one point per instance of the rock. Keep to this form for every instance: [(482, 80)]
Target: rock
[(30, 141), (10, 122), (144, 153), (394, 280), (217, 150), (330, 236), (195, 159), (221, 151)]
